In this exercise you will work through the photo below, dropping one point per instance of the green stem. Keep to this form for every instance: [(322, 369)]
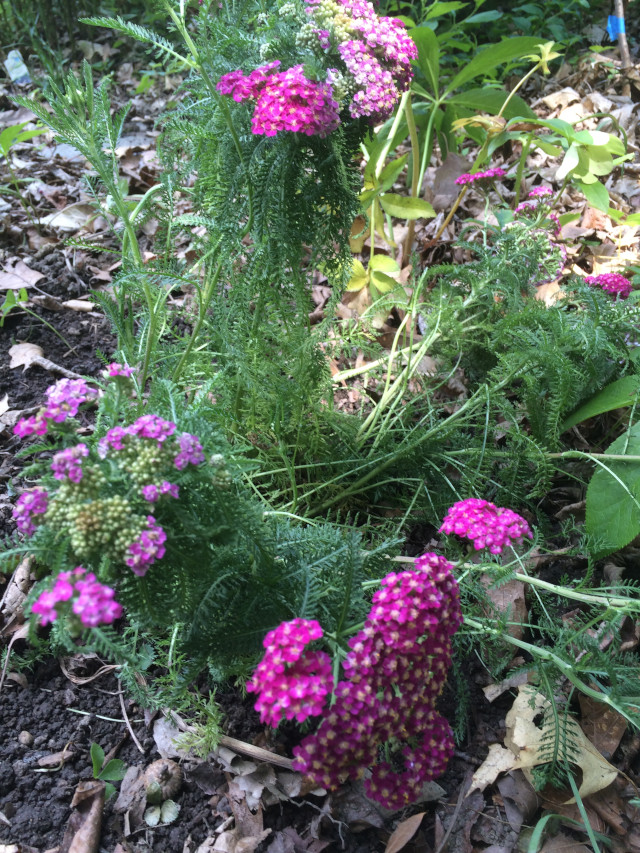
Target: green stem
[(545, 654), (415, 153), (203, 304)]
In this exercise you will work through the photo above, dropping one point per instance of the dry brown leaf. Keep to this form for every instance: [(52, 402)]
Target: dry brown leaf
[(72, 218), (23, 355), (563, 844), (492, 691), (524, 739), (82, 834), (550, 293), (403, 833), (508, 599), (55, 759), (602, 725), (17, 274), (79, 305)]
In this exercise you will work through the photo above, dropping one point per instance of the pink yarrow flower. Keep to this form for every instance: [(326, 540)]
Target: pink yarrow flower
[(68, 463), (539, 192), (487, 525), (65, 398), (116, 369), (191, 452), (93, 602), (34, 425), (611, 282), (480, 178), (395, 670), (33, 502), (147, 548), (291, 682), (152, 492)]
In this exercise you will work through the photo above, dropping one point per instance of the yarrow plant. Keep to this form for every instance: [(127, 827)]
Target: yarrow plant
[(372, 57), (485, 524), (79, 594)]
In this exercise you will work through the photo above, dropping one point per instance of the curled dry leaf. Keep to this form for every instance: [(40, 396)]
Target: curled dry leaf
[(17, 274), (403, 833), (24, 355)]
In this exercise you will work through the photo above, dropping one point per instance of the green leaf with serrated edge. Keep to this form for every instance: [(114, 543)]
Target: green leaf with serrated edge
[(620, 393), (359, 276), (596, 194), (389, 174), (383, 263), (428, 55), (492, 56), (406, 207), (97, 759), (613, 509), (382, 282), (491, 101), (114, 771)]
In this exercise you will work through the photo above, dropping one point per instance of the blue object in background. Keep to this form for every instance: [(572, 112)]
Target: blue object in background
[(615, 26)]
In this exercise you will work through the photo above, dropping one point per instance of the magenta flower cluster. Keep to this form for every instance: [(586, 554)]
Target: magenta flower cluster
[(92, 602), (33, 502), (63, 401), (147, 548), (395, 670), (481, 178), (377, 52), (291, 681), (284, 100), (68, 463), (485, 524), (153, 493), (116, 369), (611, 282)]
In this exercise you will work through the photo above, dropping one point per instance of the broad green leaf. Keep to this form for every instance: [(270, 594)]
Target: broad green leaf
[(406, 207), (566, 218), (620, 393), (570, 161), (547, 147), (596, 194), (428, 55), (491, 101), (391, 171), (492, 56), (483, 17), (592, 137), (440, 8), (97, 759), (383, 263), (382, 282), (114, 771), (613, 509), (359, 276)]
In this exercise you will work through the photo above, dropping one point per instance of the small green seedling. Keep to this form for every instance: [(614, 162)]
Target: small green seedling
[(12, 301), (113, 771)]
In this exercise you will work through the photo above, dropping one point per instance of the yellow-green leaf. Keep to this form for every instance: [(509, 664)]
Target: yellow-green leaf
[(383, 282), (406, 207), (383, 263), (359, 277)]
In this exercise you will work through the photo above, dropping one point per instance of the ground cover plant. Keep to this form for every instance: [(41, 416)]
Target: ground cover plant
[(204, 512)]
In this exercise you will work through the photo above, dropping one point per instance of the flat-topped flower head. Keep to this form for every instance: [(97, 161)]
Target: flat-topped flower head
[(146, 548), (481, 178), (65, 398), (116, 369), (291, 682), (485, 524), (539, 192), (611, 282)]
